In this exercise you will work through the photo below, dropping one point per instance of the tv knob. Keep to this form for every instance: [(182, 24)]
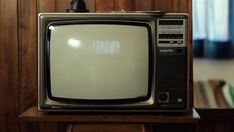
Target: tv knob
[(163, 97)]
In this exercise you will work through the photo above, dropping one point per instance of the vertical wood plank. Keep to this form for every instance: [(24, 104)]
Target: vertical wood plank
[(28, 53), (127, 5), (163, 5), (8, 66), (144, 5), (90, 5), (46, 6), (183, 6), (190, 51), (62, 5), (189, 10), (175, 5), (104, 5), (27, 59)]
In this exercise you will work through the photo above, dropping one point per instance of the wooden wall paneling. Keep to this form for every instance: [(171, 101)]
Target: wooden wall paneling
[(189, 10), (163, 5), (27, 59), (28, 53), (90, 5), (104, 5), (144, 5), (183, 5), (127, 5), (46, 6), (8, 66), (62, 5), (175, 5)]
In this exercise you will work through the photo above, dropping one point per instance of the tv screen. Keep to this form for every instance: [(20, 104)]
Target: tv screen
[(113, 62), (99, 61)]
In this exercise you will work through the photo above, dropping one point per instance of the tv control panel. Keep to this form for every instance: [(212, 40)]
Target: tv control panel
[(172, 62), (171, 33)]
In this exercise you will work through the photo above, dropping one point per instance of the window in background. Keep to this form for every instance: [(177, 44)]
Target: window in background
[(213, 28)]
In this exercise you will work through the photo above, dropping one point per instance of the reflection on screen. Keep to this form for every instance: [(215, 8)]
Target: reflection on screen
[(106, 47)]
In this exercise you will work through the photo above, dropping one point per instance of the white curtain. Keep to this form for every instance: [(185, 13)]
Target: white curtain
[(210, 20)]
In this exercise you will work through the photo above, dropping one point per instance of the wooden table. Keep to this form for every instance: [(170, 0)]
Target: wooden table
[(124, 122)]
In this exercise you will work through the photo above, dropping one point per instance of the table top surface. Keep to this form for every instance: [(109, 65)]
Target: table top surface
[(33, 114)]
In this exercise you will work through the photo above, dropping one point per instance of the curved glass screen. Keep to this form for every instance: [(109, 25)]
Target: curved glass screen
[(99, 61)]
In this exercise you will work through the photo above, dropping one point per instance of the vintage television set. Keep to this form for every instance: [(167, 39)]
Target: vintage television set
[(113, 62)]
